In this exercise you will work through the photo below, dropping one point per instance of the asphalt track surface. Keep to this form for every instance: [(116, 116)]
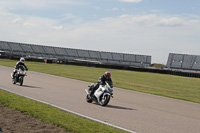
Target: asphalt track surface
[(139, 112)]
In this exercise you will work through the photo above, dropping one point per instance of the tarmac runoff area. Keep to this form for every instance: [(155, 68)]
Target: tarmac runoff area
[(128, 110)]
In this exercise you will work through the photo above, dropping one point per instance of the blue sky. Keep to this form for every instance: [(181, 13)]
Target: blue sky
[(148, 27)]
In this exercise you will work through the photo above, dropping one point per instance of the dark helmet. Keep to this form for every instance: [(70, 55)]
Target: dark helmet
[(107, 75)]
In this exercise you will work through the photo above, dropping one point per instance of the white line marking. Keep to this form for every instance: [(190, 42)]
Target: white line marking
[(67, 110)]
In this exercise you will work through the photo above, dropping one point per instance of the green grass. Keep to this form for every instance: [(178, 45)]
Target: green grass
[(50, 115), (184, 88)]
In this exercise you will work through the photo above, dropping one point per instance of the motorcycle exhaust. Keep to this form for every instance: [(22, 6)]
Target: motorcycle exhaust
[(86, 91)]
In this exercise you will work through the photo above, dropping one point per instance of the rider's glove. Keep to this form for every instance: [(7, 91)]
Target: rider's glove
[(101, 83)]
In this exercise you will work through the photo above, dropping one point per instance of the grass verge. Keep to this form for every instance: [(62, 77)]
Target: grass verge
[(184, 88), (51, 115)]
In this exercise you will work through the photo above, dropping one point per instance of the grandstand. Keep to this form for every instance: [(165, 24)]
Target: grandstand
[(183, 61), (58, 54), (177, 64)]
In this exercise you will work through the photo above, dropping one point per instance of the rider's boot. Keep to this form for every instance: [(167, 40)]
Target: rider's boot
[(92, 92), (94, 88)]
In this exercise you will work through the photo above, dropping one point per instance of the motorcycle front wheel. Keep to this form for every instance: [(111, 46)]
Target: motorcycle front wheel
[(21, 79), (104, 101)]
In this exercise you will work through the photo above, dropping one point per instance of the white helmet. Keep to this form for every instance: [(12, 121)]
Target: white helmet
[(22, 59)]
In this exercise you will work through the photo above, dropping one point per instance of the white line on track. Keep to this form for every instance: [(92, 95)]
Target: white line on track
[(67, 110)]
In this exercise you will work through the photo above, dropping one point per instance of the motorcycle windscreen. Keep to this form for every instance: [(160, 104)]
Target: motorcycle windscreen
[(110, 83), (21, 67)]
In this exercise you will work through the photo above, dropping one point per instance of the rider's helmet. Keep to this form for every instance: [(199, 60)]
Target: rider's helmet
[(22, 59), (107, 75)]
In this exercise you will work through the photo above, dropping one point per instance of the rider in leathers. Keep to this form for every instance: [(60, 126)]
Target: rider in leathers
[(21, 65), (101, 81)]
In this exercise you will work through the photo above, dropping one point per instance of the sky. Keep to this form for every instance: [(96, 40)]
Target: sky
[(145, 27)]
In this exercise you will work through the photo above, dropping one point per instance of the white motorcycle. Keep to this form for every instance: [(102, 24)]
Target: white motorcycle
[(19, 77), (101, 95)]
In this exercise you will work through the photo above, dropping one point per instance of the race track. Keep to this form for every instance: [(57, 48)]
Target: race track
[(139, 112)]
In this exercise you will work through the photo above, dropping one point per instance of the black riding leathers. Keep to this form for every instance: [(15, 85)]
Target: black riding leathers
[(19, 65), (101, 81)]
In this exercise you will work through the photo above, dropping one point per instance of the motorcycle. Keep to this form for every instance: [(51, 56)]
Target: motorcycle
[(101, 95), (19, 77)]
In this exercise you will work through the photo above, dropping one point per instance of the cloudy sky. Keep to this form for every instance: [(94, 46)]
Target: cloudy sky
[(147, 27)]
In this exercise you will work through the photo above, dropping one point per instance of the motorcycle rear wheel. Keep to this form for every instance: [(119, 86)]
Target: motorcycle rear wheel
[(13, 81), (88, 99)]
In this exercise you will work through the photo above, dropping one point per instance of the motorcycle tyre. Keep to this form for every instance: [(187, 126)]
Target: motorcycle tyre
[(13, 81), (106, 101), (21, 79), (88, 99)]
